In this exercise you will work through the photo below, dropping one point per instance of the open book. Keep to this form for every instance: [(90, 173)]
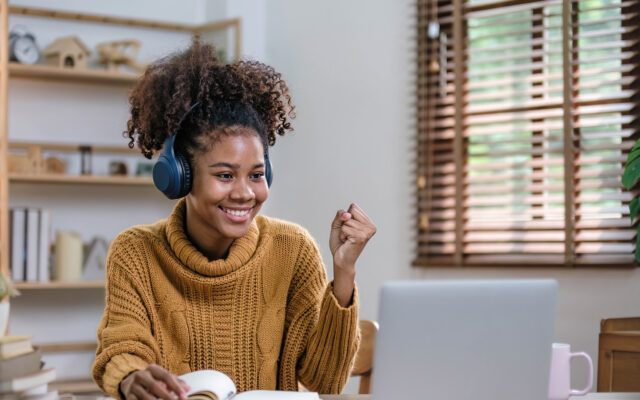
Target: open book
[(214, 385)]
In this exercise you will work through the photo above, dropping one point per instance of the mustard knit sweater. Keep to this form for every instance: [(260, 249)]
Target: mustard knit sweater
[(265, 315)]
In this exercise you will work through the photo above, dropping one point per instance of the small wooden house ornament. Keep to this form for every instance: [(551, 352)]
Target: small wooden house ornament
[(67, 52), (95, 260)]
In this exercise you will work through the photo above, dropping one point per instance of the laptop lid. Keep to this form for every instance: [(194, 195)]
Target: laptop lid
[(464, 339)]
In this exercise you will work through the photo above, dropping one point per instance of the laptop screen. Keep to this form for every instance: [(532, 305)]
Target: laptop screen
[(464, 339)]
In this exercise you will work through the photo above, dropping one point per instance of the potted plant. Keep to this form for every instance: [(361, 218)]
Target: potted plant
[(630, 180), (6, 291)]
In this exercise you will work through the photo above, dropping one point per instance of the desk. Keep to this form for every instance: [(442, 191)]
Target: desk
[(590, 396)]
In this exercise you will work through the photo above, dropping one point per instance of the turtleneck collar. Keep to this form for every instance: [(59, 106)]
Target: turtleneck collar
[(242, 249)]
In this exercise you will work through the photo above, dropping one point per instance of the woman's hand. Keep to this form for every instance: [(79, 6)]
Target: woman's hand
[(153, 383), (350, 232)]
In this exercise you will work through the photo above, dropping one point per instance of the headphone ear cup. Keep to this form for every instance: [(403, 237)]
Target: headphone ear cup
[(186, 178), (268, 170), (168, 172)]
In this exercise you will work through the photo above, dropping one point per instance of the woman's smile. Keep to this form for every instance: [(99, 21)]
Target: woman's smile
[(237, 214)]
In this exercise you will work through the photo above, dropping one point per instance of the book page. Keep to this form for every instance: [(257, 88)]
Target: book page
[(276, 395), (210, 381)]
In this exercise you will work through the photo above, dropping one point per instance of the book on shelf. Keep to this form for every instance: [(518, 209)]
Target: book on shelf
[(14, 345), (24, 364), (18, 242), (30, 244), (33, 217), (215, 385), (44, 245), (26, 382)]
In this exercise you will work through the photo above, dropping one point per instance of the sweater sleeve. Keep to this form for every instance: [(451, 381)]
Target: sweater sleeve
[(125, 340), (322, 334)]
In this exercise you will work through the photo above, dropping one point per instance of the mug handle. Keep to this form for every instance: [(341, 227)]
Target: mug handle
[(584, 391)]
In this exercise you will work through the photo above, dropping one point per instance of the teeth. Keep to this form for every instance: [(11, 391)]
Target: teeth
[(237, 213)]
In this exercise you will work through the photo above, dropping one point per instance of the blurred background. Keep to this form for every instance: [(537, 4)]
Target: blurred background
[(351, 68)]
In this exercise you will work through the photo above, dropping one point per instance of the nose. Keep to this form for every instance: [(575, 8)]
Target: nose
[(242, 191)]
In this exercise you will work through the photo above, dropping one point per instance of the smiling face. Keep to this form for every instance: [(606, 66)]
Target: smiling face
[(228, 190)]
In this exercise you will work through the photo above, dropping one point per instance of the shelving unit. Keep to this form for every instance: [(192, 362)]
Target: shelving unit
[(59, 285), (10, 71), (48, 72), (75, 386), (81, 179), (51, 178), (93, 76)]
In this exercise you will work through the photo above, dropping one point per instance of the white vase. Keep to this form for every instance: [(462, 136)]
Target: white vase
[(4, 317)]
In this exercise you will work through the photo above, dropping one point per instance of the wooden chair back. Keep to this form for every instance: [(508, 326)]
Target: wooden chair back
[(619, 355), (363, 365)]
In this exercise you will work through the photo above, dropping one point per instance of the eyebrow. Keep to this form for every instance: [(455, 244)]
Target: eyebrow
[(233, 166)]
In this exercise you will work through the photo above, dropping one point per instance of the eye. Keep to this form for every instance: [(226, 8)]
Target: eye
[(225, 176), (257, 175)]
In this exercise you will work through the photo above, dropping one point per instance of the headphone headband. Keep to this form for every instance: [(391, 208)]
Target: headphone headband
[(194, 105)]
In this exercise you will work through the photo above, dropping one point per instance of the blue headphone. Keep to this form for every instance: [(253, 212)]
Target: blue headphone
[(172, 172)]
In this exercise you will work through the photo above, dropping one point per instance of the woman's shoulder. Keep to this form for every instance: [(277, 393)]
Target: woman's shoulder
[(139, 234), (294, 241), (281, 229)]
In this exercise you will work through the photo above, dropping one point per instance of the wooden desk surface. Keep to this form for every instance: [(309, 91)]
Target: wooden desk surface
[(590, 396)]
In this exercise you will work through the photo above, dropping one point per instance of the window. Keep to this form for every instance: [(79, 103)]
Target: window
[(526, 113)]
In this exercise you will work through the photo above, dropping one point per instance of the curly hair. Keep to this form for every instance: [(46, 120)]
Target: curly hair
[(245, 93)]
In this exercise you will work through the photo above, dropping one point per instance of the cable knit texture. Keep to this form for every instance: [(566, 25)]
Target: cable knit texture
[(265, 315)]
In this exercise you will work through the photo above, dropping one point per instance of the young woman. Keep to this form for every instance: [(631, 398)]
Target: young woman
[(217, 286)]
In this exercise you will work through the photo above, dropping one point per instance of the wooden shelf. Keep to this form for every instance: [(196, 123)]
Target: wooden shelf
[(59, 285), (86, 75), (67, 347), (82, 179), (74, 386), (96, 148)]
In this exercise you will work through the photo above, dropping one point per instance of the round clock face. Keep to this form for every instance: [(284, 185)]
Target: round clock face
[(25, 50)]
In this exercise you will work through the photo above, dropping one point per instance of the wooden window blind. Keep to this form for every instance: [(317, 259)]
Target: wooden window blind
[(526, 113)]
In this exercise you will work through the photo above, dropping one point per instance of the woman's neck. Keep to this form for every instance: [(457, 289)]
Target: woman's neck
[(208, 241)]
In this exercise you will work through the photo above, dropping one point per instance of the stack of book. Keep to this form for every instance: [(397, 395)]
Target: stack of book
[(30, 244), (21, 374)]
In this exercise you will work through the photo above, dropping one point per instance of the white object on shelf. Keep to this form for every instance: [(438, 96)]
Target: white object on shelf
[(33, 217), (44, 243), (68, 256), (18, 226), (95, 260), (4, 317)]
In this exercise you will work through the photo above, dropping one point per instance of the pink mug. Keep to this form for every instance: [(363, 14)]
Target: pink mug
[(560, 373)]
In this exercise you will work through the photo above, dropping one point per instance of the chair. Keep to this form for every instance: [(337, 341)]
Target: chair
[(619, 355), (363, 365)]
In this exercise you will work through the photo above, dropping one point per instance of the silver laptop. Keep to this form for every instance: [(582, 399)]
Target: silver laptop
[(464, 340)]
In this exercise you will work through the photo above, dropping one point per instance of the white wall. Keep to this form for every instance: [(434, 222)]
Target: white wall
[(348, 67), (350, 70)]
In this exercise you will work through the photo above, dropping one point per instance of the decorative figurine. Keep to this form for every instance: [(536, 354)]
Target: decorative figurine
[(120, 52), (67, 52)]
